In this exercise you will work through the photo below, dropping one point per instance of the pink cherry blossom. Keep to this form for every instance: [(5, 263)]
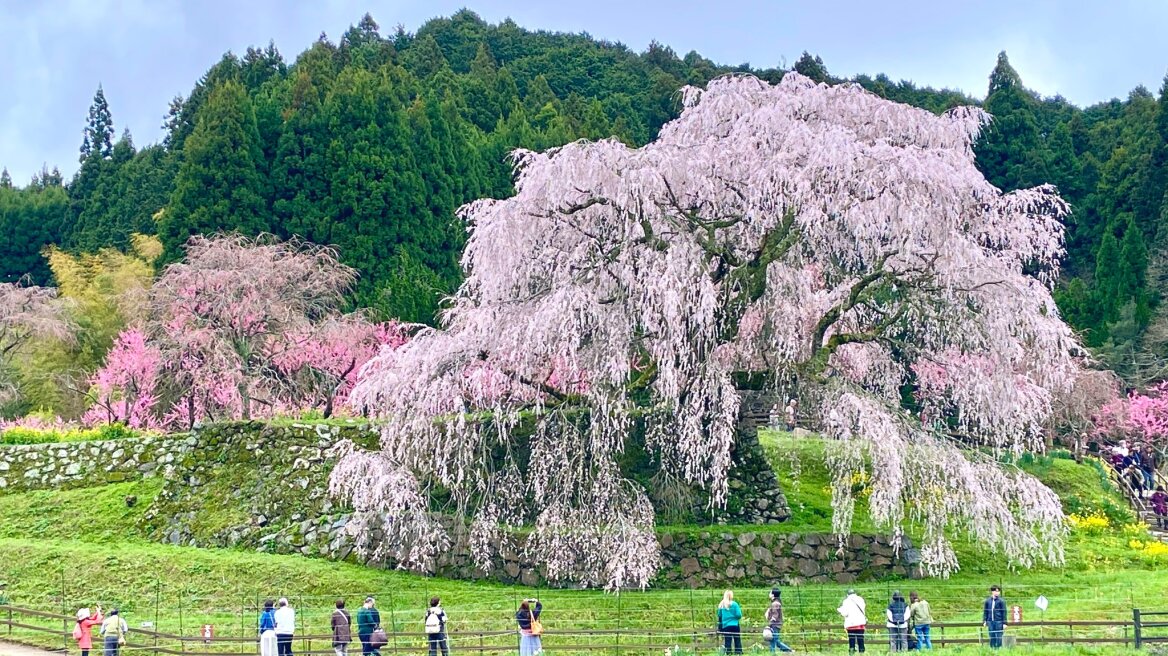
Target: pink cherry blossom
[(820, 233)]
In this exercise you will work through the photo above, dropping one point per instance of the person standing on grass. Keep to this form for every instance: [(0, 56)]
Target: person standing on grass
[(729, 616), (774, 618), (268, 629), (368, 619), (530, 629), (993, 616), (897, 622), (342, 629), (113, 631), (436, 627), (921, 617), (83, 632), (855, 614), (1160, 506), (285, 628)]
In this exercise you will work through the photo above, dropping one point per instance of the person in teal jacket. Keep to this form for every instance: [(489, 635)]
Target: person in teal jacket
[(729, 615)]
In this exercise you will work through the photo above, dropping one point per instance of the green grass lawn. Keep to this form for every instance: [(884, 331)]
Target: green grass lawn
[(60, 550), (180, 588)]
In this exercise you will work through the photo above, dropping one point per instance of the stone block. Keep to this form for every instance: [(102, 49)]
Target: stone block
[(803, 550), (808, 567)]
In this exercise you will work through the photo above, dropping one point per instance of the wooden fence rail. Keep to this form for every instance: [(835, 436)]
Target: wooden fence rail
[(40, 627)]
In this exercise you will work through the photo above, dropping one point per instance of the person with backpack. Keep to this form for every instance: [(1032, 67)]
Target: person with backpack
[(368, 621), (855, 615), (436, 627), (83, 629), (993, 616), (897, 616), (774, 618), (342, 626), (921, 617), (729, 616), (530, 628), (268, 629), (113, 631)]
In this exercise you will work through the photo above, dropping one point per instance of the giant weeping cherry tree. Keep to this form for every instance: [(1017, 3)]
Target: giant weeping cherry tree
[(812, 233)]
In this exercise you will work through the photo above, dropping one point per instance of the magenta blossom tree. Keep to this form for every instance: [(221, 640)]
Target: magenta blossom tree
[(1139, 415), (125, 390), (815, 234), (319, 365)]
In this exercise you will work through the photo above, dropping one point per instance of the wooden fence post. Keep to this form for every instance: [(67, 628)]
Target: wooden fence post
[(1137, 628)]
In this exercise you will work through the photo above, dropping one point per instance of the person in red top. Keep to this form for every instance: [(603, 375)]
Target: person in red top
[(83, 632)]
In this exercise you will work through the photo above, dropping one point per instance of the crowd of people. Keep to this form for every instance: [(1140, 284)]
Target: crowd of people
[(1137, 465), (908, 625), (277, 627)]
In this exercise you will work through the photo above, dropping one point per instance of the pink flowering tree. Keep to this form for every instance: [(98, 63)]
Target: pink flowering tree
[(226, 313), (318, 367), (1139, 415), (27, 313), (800, 232), (239, 328), (125, 390)]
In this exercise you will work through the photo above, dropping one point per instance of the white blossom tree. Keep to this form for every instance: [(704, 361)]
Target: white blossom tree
[(818, 234)]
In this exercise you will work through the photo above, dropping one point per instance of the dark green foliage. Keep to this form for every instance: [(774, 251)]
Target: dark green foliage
[(30, 219), (99, 132), (220, 185), (128, 190), (1010, 152), (370, 144)]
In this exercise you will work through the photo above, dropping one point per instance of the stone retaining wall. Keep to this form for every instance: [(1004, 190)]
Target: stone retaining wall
[(690, 559), (264, 486), (25, 467)]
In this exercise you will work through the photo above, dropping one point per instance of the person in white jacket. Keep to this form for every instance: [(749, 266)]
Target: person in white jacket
[(855, 614), (285, 627)]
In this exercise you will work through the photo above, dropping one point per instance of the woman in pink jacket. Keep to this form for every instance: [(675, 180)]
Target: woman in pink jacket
[(83, 632)]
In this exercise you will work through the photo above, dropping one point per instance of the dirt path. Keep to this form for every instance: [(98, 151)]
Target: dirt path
[(11, 649)]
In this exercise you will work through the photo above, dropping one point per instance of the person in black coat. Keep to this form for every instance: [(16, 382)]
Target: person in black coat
[(993, 616)]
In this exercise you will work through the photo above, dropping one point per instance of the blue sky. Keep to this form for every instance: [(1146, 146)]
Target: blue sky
[(53, 53)]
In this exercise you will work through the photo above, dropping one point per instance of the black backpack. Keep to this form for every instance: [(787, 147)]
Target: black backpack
[(898, 610)]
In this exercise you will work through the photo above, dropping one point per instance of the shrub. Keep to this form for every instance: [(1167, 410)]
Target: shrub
[(1095, 523), (22, 433)]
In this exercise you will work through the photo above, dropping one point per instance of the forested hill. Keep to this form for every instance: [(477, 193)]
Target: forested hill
[(371, 142)]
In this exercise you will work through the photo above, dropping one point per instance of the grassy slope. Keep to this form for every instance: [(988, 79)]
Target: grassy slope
[(1083, 488), (81, 545), (98, 514)]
